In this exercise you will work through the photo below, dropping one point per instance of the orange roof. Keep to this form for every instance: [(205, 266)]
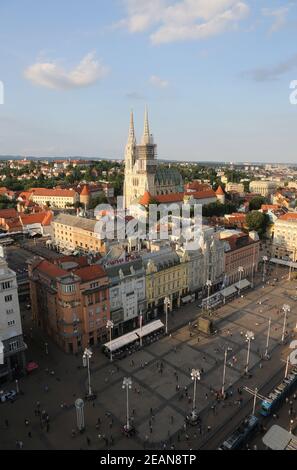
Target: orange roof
[(289, 216), (90, 273), (8, 213), (85, 191), (43, 218), (205, 194), (267, 207), (25, 195), (53, 192), (167, 198), (219, 191), (196, 186), (50, 269), (145, 199)]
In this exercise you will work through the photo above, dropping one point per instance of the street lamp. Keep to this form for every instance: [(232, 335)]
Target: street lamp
[(268, 337), (167, 303), (109, 326), (286, 310), (80, 417), (249, 338), (193, 416), (127, 384), (46, 348), (224, 372), (291, 425), (140, 327), (208, 285), (240, 270), (265, 259), (86, 363)]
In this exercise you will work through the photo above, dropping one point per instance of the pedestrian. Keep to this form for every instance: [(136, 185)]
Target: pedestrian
[(6, 423), (88, 441), (29, 434), (47, 427)]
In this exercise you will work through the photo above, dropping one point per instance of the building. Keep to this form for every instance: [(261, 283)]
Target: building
[(70, 301), (284, 244), (220, 195), (142, 172), (55, 198), (127, 293), (205, 263), (235, 187), (241, 251), (11, 334), (264, 188), (166, 277), (77, 233)]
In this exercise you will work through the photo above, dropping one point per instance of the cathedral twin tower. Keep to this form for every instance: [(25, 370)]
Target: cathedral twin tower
[(142, 175)]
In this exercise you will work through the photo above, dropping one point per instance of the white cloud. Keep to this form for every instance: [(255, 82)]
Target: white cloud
[(158, 82), (170, 21), (279, 16), (52, 75)]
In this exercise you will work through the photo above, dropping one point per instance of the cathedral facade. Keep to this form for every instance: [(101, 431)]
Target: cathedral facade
[(143, 175)]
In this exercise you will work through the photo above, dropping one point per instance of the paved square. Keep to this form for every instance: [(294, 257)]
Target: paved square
[(188, 358)]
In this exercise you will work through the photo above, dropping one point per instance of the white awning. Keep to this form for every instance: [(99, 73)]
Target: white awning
[(150, 328), (244, 284), (283, 262), (186, 299), (122, 341), (228, 291)]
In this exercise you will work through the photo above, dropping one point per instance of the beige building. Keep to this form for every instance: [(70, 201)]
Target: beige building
[(59, 198), (264, 188), (235, 187), (76, 233), (285, 237)]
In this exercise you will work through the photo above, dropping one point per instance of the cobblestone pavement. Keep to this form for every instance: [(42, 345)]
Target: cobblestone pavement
[(159, 401)]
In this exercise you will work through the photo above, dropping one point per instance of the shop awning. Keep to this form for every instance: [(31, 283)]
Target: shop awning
[(244, 284), (228, 291)]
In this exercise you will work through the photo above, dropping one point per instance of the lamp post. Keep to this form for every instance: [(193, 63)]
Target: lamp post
[(46, 348), (140, 326), (249, 338), (109, 326), (240, 270), (286, 310), (224, 372), (195, 375), (86, 363), (167, 303), (268, 337), (255, 401), (265, 259), (291, 426), (17, 388), (208, 285), (127, 384)]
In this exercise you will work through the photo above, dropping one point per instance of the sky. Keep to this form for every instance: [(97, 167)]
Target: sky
[(215, 75)]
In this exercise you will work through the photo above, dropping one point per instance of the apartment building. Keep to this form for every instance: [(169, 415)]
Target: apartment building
[(264, 188), (241, 251), (285, 237), (77, 233), (12, 359), (70, 301), (55, 198), (166, 277)]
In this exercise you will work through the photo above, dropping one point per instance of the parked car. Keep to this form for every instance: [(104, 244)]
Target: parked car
[(7, 396)]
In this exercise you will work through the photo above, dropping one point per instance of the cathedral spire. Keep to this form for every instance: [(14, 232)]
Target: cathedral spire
[(131, 138), (146, 138)]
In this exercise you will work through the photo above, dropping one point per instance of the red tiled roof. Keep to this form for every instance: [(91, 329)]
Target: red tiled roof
[(50, 269), (85, 191), (90, 273), (8, 213), (53, 192), (145, 199), (43, 218), (219, 191), (289, 216), (206, 194), (173, 197)]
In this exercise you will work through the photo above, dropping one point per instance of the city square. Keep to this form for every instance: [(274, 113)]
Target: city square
[(161, 393)]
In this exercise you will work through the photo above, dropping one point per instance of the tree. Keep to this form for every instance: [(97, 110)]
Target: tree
[(256, 203), (257, 221)]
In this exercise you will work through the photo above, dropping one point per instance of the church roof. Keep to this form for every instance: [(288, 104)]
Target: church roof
[(165, 176), (145, 199), (85, 191)]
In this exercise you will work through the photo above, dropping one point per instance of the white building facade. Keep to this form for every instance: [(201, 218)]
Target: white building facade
[(11, 334)]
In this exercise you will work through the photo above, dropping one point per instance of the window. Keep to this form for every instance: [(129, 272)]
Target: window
[(69, 288), (6, 285), (11, 323), (9, 310), (13, 346), (8, 298)]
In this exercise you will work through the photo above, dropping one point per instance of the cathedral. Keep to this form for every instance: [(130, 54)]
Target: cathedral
[(143, 176)]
